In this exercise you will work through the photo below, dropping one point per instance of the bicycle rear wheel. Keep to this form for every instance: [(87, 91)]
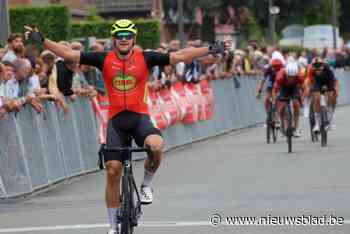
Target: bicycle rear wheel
[(289, 130), (274, 134), (268, 127), (324, 123), (312, 124)]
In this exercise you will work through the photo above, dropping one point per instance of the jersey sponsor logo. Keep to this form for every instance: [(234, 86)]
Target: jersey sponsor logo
[(124, 82)]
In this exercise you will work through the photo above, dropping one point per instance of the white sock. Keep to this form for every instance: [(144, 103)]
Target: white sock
[(306, 107), (318, 118), (112, 216), (148, 177), (332, 116)]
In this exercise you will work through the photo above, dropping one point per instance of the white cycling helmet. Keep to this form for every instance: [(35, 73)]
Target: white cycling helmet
[(292, 69)]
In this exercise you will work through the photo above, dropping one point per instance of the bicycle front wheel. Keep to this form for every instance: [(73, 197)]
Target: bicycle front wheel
[(324, 123), (126, 227)]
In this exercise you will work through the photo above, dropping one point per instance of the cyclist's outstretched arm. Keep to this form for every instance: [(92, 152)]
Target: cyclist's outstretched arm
[(62, 51), (187, 54), (191, 53), (57, 48)]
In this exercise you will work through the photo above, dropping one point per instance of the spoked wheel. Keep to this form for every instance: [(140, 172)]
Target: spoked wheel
[(289, 128), (271, 131), (314, 137), (324, 123), (274, 134), (268, 130), (268, 133), (127, 209)]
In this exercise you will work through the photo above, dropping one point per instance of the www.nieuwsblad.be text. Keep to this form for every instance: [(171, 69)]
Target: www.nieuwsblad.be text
[(270, 220)]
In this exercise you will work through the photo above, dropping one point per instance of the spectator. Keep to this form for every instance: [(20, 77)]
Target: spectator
[(15, 48), (2, 90), (174, 45), (238, 62), (158, 70), (80, 86), (2, 53), (61, 78), (50, 71), (193, 69), (40, 72), (19, 88), (302, 60), (93, 75), (168, 76), (96, 47)]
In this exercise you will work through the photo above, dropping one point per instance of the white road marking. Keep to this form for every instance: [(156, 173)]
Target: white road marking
[(100, 225), (105, 225)]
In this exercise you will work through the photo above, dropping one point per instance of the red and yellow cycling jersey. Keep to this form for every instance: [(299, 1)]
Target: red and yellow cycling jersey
[(126, 83)]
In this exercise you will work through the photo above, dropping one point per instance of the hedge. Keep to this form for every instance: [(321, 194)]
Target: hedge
[(295, 49), (148, 31), (53, 21)]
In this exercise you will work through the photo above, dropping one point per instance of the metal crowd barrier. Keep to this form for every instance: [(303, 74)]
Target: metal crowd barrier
[(38, 150)]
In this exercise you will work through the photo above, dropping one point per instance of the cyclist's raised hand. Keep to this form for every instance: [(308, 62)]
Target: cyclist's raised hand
[(33, 33), (60, 50)]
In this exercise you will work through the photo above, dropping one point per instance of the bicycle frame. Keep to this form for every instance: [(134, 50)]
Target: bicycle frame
[(130, 211), (288, 120)]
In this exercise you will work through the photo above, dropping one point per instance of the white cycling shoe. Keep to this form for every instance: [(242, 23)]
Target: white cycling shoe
[(316, 128), (113, 231), (297, 133), (146, 195)]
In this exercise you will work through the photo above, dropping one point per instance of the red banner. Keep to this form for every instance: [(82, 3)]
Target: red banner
[(182, 103)]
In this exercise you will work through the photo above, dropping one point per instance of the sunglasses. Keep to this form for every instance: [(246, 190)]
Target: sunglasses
[(318, 66), (124, 36)]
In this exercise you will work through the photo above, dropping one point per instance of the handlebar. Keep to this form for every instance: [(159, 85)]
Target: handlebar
[(127, 149)]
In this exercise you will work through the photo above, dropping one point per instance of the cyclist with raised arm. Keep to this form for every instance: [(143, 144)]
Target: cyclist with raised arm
[(289, 84), (125, 72), (320, 75), (269, 77)]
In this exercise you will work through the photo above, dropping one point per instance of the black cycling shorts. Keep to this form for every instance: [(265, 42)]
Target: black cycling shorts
[(291, 92), (330, 84), (138, 126)]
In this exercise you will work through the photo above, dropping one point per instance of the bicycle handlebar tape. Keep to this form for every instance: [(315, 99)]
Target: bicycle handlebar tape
[(37, 36), (217, 48)]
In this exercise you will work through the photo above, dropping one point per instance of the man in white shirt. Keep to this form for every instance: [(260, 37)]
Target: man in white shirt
[(15, 48), (17, 89)]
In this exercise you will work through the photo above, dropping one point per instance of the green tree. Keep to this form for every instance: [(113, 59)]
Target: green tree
[(93, 15)]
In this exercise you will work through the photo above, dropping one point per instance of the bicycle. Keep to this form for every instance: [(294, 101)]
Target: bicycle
[(130, 208), (287, 122), (312, 122), (324, 117), (271, 124)]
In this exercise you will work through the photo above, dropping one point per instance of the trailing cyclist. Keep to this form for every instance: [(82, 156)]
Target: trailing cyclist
[(319, 76), (289, 83), (270, 76), (125, 72)]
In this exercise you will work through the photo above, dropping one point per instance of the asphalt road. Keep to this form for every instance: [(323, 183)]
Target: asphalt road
[(233, 175)]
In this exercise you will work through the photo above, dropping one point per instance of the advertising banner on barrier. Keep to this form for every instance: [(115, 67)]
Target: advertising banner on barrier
[(186, 103)]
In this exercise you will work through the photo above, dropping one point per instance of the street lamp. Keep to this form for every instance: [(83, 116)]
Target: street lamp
[(180, 10), (4, 22), (273, 11), (334, 23)]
